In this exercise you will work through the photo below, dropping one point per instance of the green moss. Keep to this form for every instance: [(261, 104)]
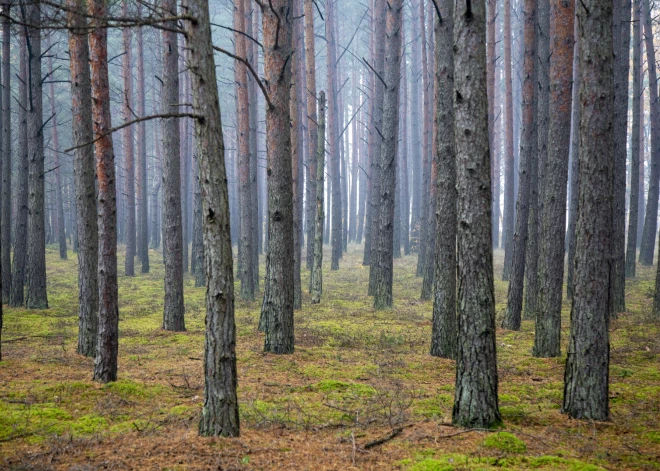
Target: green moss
[(89, 425), (653, 436), (331, 385), (130, 389), (506, 442), (431, 465)]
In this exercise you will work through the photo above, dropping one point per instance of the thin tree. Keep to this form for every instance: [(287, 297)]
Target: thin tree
[(555, 177), (105, 364), (6, 153), (509, 170), (575, 165), (128, 146), (277, 309), (444, 333), (36, 247), (173, 313), (587, 366), (141, 161), (317, 266), (310, 74), (220, 410), (495, 171), (528, 155), (84, 176)]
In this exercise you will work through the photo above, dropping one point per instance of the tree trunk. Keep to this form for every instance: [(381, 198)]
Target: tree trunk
[(423, 257), (475, 403), (317, 266), (635, 144), (105, 364), (20, 231), (509, 167), (310, 69), (6, 154), (173, 314), (128, 146), (444, 334), (387, 170), (490, 56), (555, 176), (220, 410), (587, 366), (575, 165), (647, 248), (415, 127), (277, 309), (355, 106), (243, 149), (84, 176), (36, 247), (621, 41), (141, 146)]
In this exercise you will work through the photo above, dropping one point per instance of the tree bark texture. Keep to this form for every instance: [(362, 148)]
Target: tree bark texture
[(6, 154), (509, 167), (128, 146), (310, 74), (317, 266)]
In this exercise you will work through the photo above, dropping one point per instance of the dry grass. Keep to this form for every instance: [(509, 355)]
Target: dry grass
[(356, 376)]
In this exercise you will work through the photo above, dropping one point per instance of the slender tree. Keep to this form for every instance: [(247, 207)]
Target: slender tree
[(575, 165), (317, 266), (310, 74), (277, 309), (587, 366), (128, 147), (173, 314), (105, 364), (141, 161), (509, 170), (6, 153)]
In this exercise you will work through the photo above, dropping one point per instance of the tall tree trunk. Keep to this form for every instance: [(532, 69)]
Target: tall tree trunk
[(277, 309), (575, 165), (173, 314), (128, 146), (423, 258), (20, 231), (220, 410), (587, 366), (310, 69), (84, 176), (6, 154), (317, 266), (404, 196), (635, 144), (243, 149), (36, 247), (355, 106), (509, 167), (387, 164), (621, 39), (555, 176), (641, 205), (528, 156), (475, 402), (444, 334), (416, 142), (105, 364), (141, 167), (490, 56), (647, 248), (197, 262)]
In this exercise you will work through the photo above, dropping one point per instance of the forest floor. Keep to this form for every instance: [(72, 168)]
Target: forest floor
[(357, 376)]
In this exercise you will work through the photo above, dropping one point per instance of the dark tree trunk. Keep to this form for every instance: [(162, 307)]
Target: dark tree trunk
[(641, 208), (587, 366), (277, 309), (105, 364), (317, 264), (243, 148), (555, 176), (444, 334), (575, 166), (197, 262), (36, 247), (84, 176), (141, 146), (647, 248), (20, 231), (128, 145), (621, 41), (528, 156), (6, 154), (635, 144), (475, 402), (509, 167), (220, 410), (173, 314), (312, 140), (490, 55), (387, 164)]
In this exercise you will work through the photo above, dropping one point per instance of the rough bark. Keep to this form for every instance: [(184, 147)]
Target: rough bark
[(220, 410), (555, 176), (105, 363), (387, 170), (20, 232), (475, 402), (444, 333), (575, 166), (173, 312), (317, 265), (635, 141), (310, 74), (296, 158), (587, 366), (36, 297), (647, 248), (277, 309), (6, 154)]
